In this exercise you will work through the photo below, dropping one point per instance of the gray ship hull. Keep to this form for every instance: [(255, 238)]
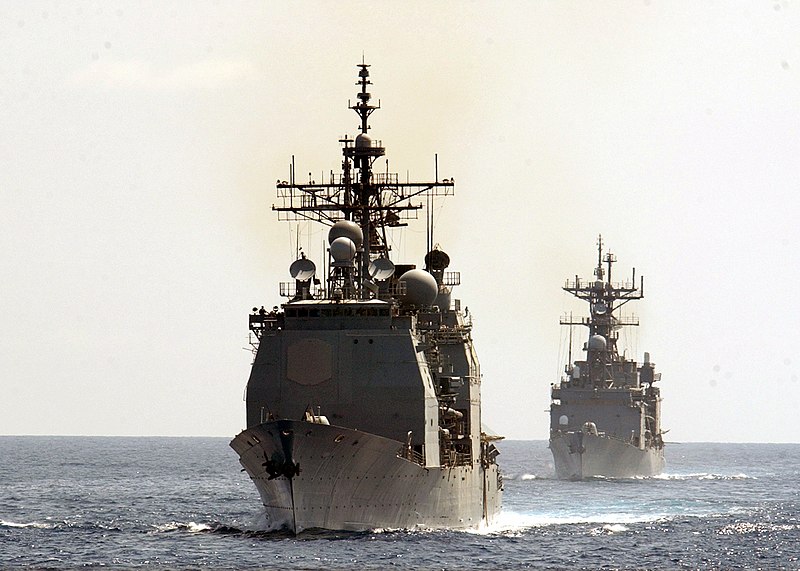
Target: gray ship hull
[(578, 455), (319, 476)]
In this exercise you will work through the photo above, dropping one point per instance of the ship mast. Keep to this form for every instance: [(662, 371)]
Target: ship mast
[(605, 298), (373, 200), (363, 155)]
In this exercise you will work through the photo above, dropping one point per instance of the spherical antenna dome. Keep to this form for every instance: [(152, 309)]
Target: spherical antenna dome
[(421, 287), (597, 343), (347, 229), (363, 140), (343, 250)]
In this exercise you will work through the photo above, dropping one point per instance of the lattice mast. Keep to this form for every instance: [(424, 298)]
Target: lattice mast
[(605, 298), (374, 201)]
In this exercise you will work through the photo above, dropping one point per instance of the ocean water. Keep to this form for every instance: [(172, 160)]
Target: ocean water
[(182, 503)]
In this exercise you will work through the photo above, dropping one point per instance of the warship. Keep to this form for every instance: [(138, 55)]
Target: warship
[(363, 402), (605, 413)]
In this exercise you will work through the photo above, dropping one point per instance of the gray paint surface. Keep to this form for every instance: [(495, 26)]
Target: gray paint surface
[(363, 402), (605, 413)]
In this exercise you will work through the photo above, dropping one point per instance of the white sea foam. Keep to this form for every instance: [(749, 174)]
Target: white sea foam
[(726, 477), (608, 529), (191, 527), (509, 522), (615, 528), (744, 527), (197, 527), (704, 476), (34, 524)]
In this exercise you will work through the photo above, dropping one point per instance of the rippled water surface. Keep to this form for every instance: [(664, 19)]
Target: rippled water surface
[(180, 503)]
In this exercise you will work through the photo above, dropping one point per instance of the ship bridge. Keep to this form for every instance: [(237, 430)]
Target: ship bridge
[(345, 314)]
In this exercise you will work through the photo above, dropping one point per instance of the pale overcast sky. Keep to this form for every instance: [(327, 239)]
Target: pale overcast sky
[(140, 143)]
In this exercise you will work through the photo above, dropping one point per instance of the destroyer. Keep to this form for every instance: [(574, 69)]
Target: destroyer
[(605, 415), (363, 403)]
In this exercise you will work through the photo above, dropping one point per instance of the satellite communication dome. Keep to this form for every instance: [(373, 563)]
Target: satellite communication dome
[(347, 229), (302, 269), (563, 420), (363, 140), (421, 287), (597, 343), (343, 250)]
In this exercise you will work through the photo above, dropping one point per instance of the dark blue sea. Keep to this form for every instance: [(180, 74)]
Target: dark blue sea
[(182, 503)]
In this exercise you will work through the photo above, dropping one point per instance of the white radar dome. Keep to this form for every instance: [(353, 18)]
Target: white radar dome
[(347, 229), (421, 287), (597, 343), (343, 250)]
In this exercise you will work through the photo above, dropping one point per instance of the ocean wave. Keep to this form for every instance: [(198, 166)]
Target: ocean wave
[(191, 527), (33, 524), (218, 528), (509, 522), (703, 476), (525, 476), (609, 528), (747, 527), (88, 526), (517, 523), (727, 477)]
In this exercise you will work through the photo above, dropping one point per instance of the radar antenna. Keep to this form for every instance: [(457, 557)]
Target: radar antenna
[(363, 108), (373, 200), (605, 298)]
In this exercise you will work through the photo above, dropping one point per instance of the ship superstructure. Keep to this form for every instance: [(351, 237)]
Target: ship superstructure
[(605, 414), (363, 403)]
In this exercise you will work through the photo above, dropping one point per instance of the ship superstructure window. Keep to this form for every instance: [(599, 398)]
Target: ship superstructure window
[(338, 311), (317, 315)]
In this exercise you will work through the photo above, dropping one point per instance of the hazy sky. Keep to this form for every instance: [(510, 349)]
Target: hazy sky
[(140, 143)]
